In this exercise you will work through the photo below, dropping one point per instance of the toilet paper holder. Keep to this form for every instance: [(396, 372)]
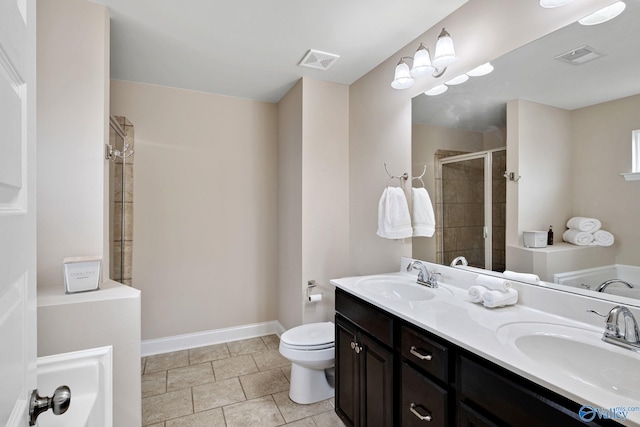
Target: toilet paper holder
[(312, 298)]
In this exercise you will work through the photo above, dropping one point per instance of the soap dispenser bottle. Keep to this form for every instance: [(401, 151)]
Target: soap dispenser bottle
[(550, 236)]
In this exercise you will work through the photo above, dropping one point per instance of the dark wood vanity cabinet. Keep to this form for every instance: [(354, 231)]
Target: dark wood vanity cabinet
[(364, 364), (391, 373)]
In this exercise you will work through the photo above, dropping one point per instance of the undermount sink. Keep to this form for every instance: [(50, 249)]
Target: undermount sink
[(400, 288), (577, 353)]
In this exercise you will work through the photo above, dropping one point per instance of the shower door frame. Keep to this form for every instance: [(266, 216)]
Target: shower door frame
[(487, 155)]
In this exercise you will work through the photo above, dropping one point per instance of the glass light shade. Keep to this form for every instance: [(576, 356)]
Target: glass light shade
[(402, 78), (604, 14), (440, 89), (422, 62), (445, 55), (457, 80), (481, 70), (553, 3)]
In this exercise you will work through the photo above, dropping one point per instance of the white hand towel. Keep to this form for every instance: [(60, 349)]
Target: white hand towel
[(381, 213), (476, 293), (603, 238), (493, 283), (494, 299), (577, 237), (393, 215), (590, 225), (424, 219), (521, 277)]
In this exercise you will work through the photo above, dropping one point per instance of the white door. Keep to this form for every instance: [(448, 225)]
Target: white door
[(17, 210)]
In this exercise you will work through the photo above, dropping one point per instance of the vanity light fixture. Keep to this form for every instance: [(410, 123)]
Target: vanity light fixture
[(402, 78), (422, 64), (605, 14), (548, 4)]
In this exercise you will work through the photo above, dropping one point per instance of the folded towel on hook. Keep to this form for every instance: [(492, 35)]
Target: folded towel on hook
[(603, 238), (394, 221), (493, 283), (577, 237), (580, 223), (424, 219)]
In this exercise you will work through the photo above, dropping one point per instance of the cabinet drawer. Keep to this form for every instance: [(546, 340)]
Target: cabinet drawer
[(423, 402), (367, 317), (425, 353)]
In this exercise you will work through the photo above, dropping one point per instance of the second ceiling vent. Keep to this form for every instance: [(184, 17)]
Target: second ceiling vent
[(318, 60)]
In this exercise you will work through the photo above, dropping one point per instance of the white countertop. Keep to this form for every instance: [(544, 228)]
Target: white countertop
[(475, 328)]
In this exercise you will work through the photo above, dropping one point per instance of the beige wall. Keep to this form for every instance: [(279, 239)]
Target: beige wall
[(313, 197), (601, 151), (72, 109), (539, 150), (206, 208), (325, 192), (290, 208), (380, 117)]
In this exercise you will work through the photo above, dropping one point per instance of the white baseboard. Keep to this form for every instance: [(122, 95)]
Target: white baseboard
[(218, 336)]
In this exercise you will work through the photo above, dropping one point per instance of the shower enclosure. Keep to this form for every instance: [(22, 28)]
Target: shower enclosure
[(119, 152), (472, 208)]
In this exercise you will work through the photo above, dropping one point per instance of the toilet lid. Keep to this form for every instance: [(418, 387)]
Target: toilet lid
[(311, 334)]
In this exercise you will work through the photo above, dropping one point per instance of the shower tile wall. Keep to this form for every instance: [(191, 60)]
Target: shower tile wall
[(121, 268), (499, 209), (441, 154)]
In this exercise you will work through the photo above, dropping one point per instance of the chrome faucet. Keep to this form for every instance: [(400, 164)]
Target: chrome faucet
[(626, 333), (461, 259), (606, 283), (425, 277)]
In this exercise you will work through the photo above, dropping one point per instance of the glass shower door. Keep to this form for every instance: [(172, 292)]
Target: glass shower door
[(464, 215)]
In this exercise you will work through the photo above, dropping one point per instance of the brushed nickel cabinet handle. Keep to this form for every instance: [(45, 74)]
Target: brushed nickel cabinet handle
[(418, 415), (419, 355)]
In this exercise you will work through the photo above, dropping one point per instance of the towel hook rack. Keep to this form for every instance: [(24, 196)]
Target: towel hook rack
[(403, 177), (419, 178)]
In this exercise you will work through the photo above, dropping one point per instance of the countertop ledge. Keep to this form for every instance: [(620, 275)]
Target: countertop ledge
[(109, 290), (474, 328)]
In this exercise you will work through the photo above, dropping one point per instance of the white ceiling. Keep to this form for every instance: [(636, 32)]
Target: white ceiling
[(251, 48), (532, 73)]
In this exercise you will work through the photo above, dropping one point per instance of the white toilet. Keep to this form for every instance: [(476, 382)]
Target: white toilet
[(311, 350)]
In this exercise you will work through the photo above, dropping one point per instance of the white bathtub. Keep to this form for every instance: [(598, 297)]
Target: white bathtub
[(88, 373), (591, 278)]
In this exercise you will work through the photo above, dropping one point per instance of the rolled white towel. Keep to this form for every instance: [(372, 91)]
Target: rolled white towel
[(521, 277), (493, 283), (577, 237), (603, 238), (581, 223), (494, 299), (476, 293)]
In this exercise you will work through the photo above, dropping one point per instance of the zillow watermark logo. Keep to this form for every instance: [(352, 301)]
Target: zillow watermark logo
[(619, 413)]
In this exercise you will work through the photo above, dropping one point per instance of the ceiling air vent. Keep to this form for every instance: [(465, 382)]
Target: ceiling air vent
[(580, 55), (318, 60)]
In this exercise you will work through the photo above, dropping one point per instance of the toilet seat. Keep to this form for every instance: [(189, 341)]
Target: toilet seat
[(312, 336)]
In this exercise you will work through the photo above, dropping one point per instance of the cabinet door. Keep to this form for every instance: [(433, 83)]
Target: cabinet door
[(422, 401), (376, 372), (347, 376)]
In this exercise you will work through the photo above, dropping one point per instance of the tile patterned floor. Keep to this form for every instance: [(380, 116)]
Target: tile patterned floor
[(236, 384)]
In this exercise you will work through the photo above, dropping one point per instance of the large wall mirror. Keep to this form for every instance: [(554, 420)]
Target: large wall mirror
[(560, 113)]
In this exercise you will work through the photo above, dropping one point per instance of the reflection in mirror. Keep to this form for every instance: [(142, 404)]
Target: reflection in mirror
[(569, 127)]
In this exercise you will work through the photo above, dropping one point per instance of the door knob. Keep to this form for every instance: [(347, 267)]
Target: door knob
[(58, 403)]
